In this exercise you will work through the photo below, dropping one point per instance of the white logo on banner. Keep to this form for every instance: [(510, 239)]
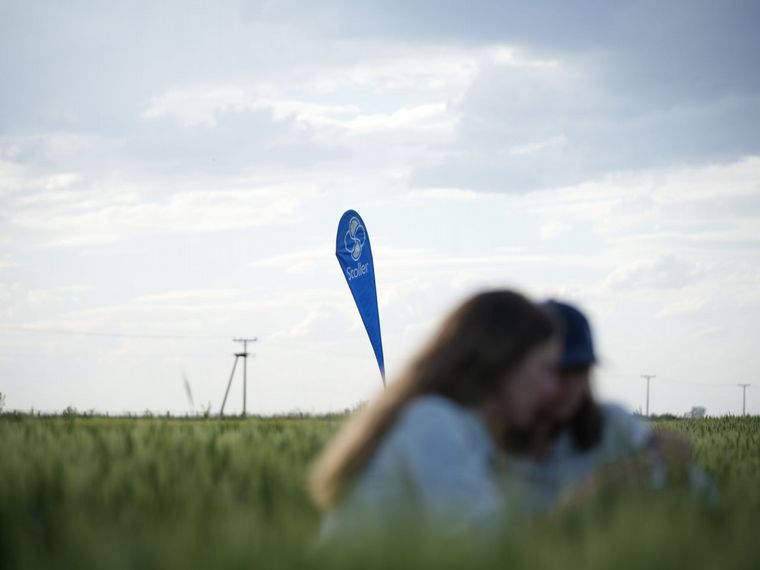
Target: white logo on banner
[(355, 238)]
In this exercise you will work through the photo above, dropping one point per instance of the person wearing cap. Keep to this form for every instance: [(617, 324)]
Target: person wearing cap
[(425, 453), (583, 445)]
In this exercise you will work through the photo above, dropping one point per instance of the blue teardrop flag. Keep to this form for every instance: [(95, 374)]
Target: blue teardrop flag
[(355, 257)]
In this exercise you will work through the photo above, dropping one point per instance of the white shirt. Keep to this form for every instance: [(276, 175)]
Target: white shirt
[(439, 463), (538, 486)]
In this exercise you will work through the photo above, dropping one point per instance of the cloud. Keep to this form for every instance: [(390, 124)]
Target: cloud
[(528, 96), (429, 117), (685, 304), (662, 53), (665, 272), (69, 293), (210, 314), (12, 177), (559, 94), (446, 194), (185, 296), (392, 258), (297, 261), (523, 129), (703, 207), (551, 230), (314, 324), (201, 107), (104, 221)]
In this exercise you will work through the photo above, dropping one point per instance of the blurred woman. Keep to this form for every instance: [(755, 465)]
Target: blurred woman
[(425, 450)]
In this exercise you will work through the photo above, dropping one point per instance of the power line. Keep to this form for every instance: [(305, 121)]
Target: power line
[(75, 332), (624, 376), (701, 384)]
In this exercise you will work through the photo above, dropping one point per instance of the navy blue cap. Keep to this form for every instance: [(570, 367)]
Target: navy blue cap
[(578, 346)]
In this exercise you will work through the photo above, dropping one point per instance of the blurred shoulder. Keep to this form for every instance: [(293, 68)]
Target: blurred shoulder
[(432, 406), (433, 416), (622, 423), (617, 412)]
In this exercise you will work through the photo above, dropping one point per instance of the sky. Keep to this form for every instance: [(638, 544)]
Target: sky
[(172, 175)]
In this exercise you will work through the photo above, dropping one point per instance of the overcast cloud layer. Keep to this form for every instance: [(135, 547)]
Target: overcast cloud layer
[(176, 171)]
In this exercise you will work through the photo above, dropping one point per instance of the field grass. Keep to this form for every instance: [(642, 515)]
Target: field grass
[(164, 493)]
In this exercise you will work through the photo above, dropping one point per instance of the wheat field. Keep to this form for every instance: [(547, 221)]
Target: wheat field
[(94, 492)]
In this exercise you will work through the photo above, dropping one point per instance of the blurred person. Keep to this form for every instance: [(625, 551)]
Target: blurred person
[(425, 451), (581, 447)]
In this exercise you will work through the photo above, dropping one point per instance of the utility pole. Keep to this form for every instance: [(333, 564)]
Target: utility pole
[(648, 377), (244, 355), (744, 397)]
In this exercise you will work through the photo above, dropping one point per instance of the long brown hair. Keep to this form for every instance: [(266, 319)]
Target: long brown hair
[(472, 353), (587, 423)]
